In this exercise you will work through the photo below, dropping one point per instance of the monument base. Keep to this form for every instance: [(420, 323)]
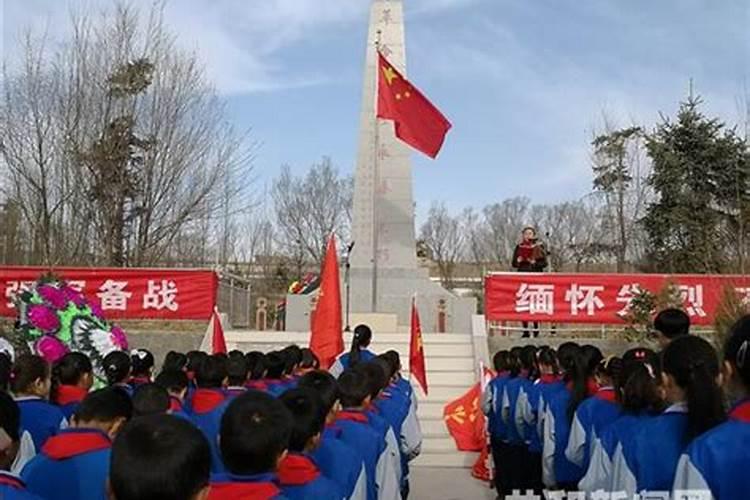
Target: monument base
[(439, 309)]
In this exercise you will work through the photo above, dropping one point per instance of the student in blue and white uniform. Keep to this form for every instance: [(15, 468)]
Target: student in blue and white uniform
[(207, 404), (515, 396), (594, 413), (690, 374), (358, 352), (718, 461), (491, 403), (11, 486), (117, 369), (639, 394), (72, 378), (142, 367)]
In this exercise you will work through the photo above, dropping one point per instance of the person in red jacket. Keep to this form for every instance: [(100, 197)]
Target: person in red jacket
[(530, 256)]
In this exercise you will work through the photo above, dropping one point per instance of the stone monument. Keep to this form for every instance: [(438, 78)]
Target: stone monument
[(384, 270)]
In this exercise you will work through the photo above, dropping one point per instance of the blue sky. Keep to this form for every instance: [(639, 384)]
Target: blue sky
[(523, 81)]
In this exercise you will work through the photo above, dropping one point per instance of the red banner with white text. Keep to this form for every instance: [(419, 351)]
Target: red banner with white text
[(125, 293), (599, 298)]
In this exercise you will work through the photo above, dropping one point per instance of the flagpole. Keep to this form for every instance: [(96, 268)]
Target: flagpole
[(376, 181)]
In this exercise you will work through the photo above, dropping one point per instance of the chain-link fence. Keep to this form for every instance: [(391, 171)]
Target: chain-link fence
[(235, 300)]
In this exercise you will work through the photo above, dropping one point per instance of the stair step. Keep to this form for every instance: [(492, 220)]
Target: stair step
[(447, 364), (438, 444), (437, 379), (457, 459), (430, 410), (442, 394), (434, 427), (301, 338)]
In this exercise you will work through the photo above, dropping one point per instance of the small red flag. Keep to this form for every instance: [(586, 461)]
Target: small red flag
[(416, 349), (213, 340), (416, 120), (465, 420), (326, 339)]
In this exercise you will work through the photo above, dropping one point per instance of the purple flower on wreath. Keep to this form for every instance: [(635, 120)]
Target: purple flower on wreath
[(118, 337), (74, 296), (53, 296), (44, 318), (96, 310), (50, 348)]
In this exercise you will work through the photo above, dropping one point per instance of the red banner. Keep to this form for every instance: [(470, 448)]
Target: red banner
[(599, 298), (125, 293)]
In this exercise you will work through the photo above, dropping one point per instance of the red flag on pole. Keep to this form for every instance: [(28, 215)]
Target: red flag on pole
[(213, 340), (465, 420), (416, 348), (416, 120), (326, 339)]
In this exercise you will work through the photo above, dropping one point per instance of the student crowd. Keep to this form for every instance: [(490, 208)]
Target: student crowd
[(673, 424), (236, 426)]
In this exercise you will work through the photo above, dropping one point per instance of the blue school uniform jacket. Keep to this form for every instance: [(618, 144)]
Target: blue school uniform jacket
[(591, 416), (647, 458), (13, 488), (357, 433), (69, 398), (343, 363), (72, 465), (341, 463), (225, 486), (514, 388), (207, 407), (41, 419), (556, 468), (531, 408), (491, 405), (718, 461), (300, 479)]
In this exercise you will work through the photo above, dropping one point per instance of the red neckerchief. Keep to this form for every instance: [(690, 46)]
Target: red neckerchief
[(524, 373), (70, 394), (206, 400), (73, 442), (549, 378), (352, 415), (139, 380), (11, 481), (741, 411), (503, 373), (257, 385), (175, 404), (190, 376), (592, 387), (296, 469), (606, 394), (243, 491)]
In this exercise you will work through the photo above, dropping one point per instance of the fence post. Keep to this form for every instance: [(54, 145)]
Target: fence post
[(231, 301), (248, 305)]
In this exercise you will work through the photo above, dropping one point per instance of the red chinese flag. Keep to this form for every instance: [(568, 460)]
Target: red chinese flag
[(326, 339), (416, 349), (465, 420), (213, 340), (416, 120)]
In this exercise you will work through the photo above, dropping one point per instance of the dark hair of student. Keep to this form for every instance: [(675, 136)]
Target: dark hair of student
[(389, 367), (514, 361), (308, 416), (527, 360), (694, 365), (672, 323), (637, 384), (501, 361), (159, 456), (105, 405), (292, 358), (574, 366), (353, 388), (275, 365), (360, 340), (174, 361), (27, 369), (237, 370), (591, 357), (150, 399), (548, 357), (6, 366), (395, 358), (324, 384), (211, 373), (566, 350), (375, 376), (10, 416), (255, 431), (173, 381), (737, 349), (256, 363), (116, 367), (68, 371), (142, 362), (309, 360), (194, 360), (610, 368)]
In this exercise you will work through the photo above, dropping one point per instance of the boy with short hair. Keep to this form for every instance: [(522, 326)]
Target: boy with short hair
[(150, 399), (670, 324), (207, 405), (11, 487), (337, 460), (75, 463), (176, 383), (255, 432), (299, 475), (275, 364), (160, 457), (237, 371)]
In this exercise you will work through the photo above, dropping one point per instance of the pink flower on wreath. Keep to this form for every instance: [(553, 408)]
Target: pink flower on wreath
[(50, 348), (118, 337), (74, 296), (53, 296), (43, 318), (96, 310)]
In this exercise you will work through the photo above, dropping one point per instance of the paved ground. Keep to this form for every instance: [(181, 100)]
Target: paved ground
[(432, 483)]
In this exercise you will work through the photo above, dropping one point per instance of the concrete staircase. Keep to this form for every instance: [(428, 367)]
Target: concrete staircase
[(450, 373)]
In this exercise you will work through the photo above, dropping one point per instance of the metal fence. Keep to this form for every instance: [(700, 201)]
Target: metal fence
[(235, 299)]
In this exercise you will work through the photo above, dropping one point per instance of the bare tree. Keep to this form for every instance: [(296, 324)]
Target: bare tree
[(445, 237)]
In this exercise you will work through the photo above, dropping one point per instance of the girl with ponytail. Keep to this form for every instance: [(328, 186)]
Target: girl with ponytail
[(357, 354), (718, 460), (116, 366), (142, 367), (690, 379), (72, 378)]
